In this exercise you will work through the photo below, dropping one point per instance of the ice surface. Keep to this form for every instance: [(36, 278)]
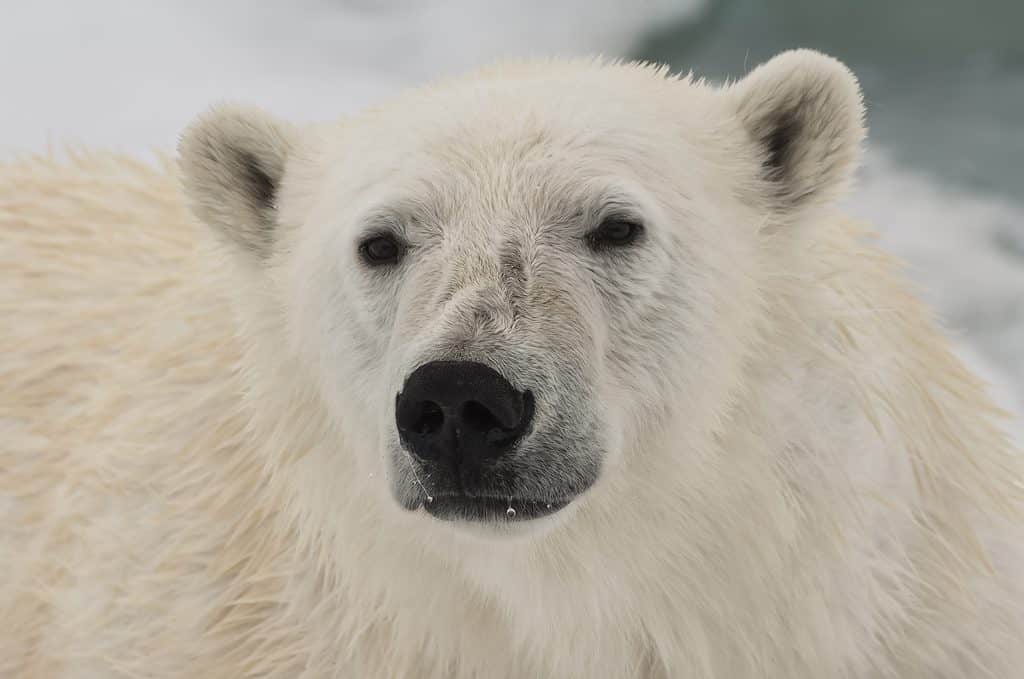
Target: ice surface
[(130, 75)]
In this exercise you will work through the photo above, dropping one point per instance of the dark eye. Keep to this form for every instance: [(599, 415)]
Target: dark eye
[(380, 250), (615, 232)]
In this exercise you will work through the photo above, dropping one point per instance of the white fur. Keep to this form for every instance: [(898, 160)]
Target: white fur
[(799, 480)]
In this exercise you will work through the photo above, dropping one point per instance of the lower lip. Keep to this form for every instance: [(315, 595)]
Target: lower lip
[(489, 510)]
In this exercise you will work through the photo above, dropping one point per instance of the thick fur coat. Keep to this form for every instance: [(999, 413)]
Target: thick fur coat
[(198, 470)]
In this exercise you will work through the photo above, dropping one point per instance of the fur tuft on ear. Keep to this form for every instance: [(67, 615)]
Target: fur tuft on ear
[(805, 113), (232, 161)]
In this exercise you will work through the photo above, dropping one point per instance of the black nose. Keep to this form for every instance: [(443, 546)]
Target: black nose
[(461, 413)]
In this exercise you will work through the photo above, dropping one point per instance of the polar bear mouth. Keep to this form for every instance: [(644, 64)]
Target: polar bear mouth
[(490, 509)]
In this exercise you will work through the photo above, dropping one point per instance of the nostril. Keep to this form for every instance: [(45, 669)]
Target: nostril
[(477, 416), (429, 420)]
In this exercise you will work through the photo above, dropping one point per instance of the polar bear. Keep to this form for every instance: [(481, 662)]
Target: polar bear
[(559, 369)]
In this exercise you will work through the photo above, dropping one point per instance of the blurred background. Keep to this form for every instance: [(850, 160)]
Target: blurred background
[(943, 79)]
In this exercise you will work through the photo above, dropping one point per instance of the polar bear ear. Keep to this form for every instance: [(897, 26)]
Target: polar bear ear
[(232, 162), (804, 112)]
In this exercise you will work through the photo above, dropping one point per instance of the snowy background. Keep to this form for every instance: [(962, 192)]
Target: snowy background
[(944, 81)]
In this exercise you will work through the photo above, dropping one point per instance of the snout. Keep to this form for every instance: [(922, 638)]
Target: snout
[(461, 415), (461, 421), (474, 447)]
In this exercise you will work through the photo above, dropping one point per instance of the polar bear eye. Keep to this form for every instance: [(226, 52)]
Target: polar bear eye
[(615, 232), (380, 250)]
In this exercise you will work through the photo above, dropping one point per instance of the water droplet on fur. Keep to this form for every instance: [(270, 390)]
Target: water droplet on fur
[(510, 512), (549, 505), (430, 498)]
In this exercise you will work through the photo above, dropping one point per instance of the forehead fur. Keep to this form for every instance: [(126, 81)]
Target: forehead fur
[(519, 129), (571, 94), (513, 108)]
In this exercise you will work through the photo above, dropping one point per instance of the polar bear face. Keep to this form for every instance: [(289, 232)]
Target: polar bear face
[(506, 288)]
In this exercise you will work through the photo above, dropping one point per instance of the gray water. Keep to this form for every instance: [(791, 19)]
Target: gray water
[(943, 79)]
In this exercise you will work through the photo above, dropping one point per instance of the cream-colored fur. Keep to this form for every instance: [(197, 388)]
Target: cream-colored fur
[(181, 495)]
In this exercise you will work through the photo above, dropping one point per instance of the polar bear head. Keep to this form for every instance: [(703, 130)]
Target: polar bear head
[(506, 289)]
